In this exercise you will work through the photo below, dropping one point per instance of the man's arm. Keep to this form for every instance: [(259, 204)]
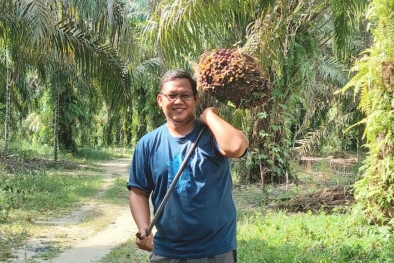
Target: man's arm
[(139, 207), (232, 142)]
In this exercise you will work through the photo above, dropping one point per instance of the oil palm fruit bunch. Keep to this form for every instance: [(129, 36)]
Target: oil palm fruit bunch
[(233, 76)]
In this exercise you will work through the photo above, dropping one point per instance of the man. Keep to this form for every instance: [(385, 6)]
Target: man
[(198, 223)]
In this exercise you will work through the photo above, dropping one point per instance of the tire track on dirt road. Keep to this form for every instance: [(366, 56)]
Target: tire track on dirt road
[(99, 245)]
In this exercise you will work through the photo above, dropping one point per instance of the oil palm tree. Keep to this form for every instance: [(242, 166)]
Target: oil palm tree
[(16, 44), (52, 33), (286, 36)]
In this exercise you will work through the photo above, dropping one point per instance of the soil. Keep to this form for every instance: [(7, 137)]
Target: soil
[(95, 247)]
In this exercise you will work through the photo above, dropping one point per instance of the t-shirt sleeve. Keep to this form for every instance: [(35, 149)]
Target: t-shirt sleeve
[(140, 175)]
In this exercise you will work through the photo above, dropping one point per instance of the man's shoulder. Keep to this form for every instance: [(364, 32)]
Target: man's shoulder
[(152, 135)]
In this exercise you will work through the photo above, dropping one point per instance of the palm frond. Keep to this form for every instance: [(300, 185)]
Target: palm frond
[(98, 60), (346, 16), (151, 66), (184, 24), (104, 17), (36, 16), (312, 139), (332, 71)]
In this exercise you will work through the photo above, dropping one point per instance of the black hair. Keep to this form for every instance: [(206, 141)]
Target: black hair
[(178, 74)]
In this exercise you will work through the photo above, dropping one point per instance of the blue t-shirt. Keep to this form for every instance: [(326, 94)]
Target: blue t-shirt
[(199, 219)]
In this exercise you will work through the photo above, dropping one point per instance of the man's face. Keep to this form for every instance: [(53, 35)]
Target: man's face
[(178, 101)]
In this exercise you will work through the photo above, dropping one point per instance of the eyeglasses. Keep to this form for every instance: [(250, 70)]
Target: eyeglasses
[(174, 97)]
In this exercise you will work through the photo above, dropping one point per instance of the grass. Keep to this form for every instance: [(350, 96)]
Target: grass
[(128, 252), (48, 190), (281, 237), (117, 193), (47, 193), (102, 154), (84, 154), (277, 236), (27, 199), (264, 234)]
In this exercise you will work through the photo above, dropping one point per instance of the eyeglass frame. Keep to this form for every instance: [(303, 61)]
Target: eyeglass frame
[(189, 96)]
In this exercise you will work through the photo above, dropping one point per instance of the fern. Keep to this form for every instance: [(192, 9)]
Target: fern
[(375, 191)]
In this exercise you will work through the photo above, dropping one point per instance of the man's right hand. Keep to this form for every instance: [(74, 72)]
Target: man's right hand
[(144, 242)]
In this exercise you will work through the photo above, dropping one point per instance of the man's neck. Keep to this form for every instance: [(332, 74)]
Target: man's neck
[(181, 129)]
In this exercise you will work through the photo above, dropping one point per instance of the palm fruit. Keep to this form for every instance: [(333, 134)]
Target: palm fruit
[(230, 75)]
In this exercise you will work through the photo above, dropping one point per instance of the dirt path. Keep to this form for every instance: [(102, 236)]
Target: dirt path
[(95, 247)]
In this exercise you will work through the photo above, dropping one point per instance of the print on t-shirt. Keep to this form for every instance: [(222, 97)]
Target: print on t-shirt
[(173, 167)]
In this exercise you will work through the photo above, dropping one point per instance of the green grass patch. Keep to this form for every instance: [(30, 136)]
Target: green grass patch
[(127, 252), (117, 193), (47, 192), (84, 154), (26, 198), (29, 150), (281, 237), (102, 154), (277, 236), (34, 188)]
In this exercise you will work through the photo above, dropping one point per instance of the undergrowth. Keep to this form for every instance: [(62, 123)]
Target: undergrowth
[(267, 236), (265, 233), (34, 188), (306, 237)]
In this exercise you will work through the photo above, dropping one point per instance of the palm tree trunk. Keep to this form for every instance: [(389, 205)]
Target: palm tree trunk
[(56, 125), (7, 108), (12, 76)]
